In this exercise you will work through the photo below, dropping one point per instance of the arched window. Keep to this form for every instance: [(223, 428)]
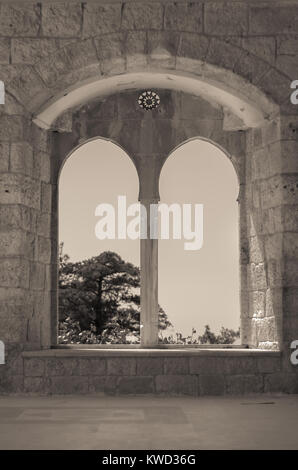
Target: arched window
[(99, 276), (201, 287)]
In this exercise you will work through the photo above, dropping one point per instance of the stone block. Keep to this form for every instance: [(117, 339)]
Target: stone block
[(34, 367), (101, 19), (12, 128), (34, 385), (281, 382), (257, 304), (17, 217), (136, 385), (142, 16), (67, 384), (176, 365), (37, 276), (62, 367), (46, 198), (177, 384), (211, 385), (276, 85), (184, 17), (44, 250), (257, 276), (148, 366), (266, 19), (121, 366), (162, 48), (43, 224), (266, 329), (4, 51), (136, 49), (193, 46), (31, 50), (14, 273), (61, 19), (92, 366), (244, 384), (223, 54), (268, 364), (206, 365), (111, 52), (28, 88), (19, 20), (261, 46), (4, 156), (16, 243), (21, 158), (226, 18)]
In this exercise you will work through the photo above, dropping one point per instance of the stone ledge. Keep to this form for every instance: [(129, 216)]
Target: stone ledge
[(98, 352)]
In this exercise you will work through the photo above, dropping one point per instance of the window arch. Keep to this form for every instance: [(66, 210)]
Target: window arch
[(97, 172), (198, 288)]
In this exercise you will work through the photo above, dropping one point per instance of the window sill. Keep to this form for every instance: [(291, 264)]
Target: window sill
[(154, 352)]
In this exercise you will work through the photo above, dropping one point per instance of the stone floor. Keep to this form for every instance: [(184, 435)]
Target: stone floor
[(258, 422)]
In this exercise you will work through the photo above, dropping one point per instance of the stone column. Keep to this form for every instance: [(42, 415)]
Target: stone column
[(149, 280)]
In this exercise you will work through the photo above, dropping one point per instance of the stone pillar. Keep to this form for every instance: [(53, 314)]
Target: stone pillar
[(149, 281)]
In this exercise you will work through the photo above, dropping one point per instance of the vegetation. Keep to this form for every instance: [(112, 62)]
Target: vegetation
[(99, 302)]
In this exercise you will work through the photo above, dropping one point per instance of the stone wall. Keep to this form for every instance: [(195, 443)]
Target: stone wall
[(48, 49), (160, 372)]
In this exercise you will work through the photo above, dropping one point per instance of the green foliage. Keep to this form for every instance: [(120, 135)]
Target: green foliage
[(99, 300), (226, 336)]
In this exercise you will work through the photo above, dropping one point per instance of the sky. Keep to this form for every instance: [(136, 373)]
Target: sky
[(195, 287)]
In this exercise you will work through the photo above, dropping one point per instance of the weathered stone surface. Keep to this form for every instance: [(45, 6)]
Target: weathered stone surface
[(37, 276), (46, 198), (34, 385), (184, 17), (176, 384), (176, 365), (16, 243), (19, 20), (211, 385), (257, 303), (136, 385), (226, 18), (162, 48), (193, 46), (223, 54), (21, 158), (263, 47), (14, 273), (280, 382), (250, 67), (43, 250), (121, 366), (101, 19), (4, 51), (149, 366), (62, 367), (142, 16), (92, 366), (265, 19), (29, 51), (4, 156), (12, 128), (34, 367), (63, 385), (244, 384), (269, 364), (29, 89), (61, 20)]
